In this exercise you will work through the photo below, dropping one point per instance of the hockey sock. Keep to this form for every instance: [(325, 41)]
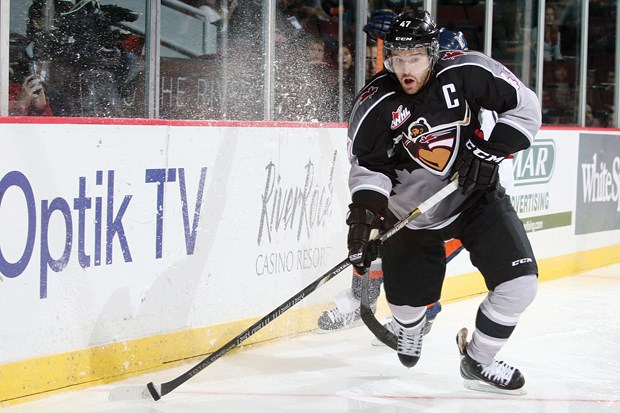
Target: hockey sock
[(498, 315), (407, 316), (374, 285)]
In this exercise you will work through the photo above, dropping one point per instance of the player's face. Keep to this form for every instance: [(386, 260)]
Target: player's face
[(412, 68), (347, 59)]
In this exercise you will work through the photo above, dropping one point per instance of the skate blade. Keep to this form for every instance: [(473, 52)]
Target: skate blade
[(477, 385)]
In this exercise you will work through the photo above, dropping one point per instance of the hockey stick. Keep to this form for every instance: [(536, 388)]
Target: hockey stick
[(156, 391), (366, 313)]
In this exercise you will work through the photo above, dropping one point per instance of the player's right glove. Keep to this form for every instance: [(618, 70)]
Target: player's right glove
[(478, 165), (362, 250), (379, 23)]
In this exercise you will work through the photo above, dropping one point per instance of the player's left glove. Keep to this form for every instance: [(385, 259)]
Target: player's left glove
[(478, 165), (379, 23)]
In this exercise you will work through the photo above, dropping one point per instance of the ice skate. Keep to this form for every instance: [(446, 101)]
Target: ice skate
[(345, 315), (409, 346), (392, 326), (497, 377)]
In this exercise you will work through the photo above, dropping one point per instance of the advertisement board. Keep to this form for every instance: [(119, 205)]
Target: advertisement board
[(117, 232), (125, 246), (598, 186)]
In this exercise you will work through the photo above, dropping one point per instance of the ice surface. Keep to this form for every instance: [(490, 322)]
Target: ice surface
[(567, 345)]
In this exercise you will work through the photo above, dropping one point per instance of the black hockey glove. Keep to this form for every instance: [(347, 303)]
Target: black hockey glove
[(362, 250), (379, 23), (478, 165)]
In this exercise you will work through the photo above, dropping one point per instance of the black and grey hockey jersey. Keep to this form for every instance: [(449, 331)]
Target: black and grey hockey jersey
[(402, 147)]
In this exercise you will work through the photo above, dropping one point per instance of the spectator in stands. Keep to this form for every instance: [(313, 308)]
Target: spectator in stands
[(348, 64), (26, 87), (41, 30), (304, 82), (322, 104), (591, 120), (561, 92), (508, 35), (608, 114), (316, 52), (552, 46), (569, 21), (549, 111), (28, 99), (562, 84), (345, 55), (103, 71), (47, 45), (90, 68), (371, 59)]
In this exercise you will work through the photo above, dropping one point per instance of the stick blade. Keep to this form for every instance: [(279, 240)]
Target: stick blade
[(138, 392), (382, 333)]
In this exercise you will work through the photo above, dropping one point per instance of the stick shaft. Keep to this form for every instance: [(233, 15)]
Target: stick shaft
[(278, 311), (422, 208), (245, 334)]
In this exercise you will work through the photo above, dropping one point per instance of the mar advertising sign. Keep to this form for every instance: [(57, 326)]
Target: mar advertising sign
[(539, 196)]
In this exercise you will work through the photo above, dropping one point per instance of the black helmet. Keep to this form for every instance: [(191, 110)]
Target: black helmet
[(411, 31)]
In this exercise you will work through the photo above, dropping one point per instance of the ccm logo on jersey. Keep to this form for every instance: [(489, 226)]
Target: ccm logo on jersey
[(482, 154), (399, 117), (521, 261)]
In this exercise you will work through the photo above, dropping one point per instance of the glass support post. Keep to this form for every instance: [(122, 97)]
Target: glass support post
[(153, 55), (5, 18)]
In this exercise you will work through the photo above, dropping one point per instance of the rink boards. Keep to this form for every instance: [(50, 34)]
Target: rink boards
[(130, 245)]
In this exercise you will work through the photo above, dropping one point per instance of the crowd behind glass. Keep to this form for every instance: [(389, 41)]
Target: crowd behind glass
[(91, 58)]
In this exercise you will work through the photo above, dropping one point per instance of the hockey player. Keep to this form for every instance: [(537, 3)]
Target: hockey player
[(413, 126), (346, 313)]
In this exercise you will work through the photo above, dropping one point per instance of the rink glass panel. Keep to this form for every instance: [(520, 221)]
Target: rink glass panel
[(257, 62), (91, 62)]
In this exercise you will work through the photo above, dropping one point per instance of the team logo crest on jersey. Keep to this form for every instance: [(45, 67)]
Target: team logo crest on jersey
[(434, 148), (368, 93), (399, 117), (452, 55)]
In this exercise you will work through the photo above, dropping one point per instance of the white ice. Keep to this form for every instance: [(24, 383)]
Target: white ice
[(567, 345)]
